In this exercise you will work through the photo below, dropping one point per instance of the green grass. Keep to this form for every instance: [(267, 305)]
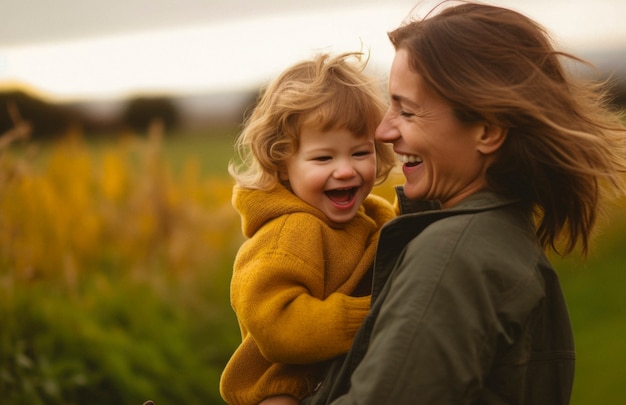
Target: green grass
[(213, 149), (594, 289), (118, 342)]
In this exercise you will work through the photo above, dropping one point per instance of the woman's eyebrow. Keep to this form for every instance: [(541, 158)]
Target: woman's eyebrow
[(404, 100)]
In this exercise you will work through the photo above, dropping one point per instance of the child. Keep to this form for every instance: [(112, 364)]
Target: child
[(309, 162)]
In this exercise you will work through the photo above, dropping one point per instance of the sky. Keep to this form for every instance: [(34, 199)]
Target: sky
[(80, 49)]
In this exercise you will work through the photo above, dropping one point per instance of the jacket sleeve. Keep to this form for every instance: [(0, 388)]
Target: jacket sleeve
[(441, 323), (278, 297)]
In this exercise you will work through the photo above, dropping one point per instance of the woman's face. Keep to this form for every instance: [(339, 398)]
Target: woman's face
[(441, 157)]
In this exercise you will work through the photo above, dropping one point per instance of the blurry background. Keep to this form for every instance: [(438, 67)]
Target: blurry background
[(116, 233), (209, 57)]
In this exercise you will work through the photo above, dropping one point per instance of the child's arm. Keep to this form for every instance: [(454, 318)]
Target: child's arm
[(291, 326), (275, 295)]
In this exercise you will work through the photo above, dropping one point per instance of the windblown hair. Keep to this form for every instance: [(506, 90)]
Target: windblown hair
[(565, 149), (326, 92)]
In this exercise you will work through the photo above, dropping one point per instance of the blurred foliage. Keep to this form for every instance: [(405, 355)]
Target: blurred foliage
[(115, 260), (114, 275)]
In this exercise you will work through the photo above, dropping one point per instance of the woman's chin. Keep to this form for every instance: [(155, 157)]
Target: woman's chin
[(412, 192)]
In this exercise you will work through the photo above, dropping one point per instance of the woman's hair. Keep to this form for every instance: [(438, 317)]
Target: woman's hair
[(326, 92), (564, 145)]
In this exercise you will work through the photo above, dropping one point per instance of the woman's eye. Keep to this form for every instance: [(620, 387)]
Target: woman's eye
[(406, 114)]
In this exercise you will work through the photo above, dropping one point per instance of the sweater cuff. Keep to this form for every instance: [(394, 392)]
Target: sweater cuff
[(356, 309)]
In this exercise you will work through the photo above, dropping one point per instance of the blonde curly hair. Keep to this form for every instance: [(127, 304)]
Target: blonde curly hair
[(328, 92)]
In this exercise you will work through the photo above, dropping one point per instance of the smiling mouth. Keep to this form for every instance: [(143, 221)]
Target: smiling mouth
[(342, 195), (409, 160)]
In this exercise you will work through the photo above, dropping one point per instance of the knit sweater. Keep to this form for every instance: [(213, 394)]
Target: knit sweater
[(290, 289)]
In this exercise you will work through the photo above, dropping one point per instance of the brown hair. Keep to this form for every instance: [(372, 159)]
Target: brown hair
[(327, 92), (564, 142)]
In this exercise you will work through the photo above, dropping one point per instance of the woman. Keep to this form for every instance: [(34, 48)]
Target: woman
[(466, 308)]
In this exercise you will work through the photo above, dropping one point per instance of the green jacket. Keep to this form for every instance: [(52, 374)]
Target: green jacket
[(466, 309)]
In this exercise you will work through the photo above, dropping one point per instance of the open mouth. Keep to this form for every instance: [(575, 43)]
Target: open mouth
[(409, 160), (342, 196)]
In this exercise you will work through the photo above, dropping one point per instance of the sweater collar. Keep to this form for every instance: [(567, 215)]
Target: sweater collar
[(257, 207)]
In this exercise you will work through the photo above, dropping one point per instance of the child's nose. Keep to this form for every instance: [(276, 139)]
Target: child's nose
[(344, 169)]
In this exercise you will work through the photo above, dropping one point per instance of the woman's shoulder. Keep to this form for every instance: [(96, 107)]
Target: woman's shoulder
[(506, 229), (498, 245)]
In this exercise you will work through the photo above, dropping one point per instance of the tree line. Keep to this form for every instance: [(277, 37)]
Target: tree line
[(50, 120)]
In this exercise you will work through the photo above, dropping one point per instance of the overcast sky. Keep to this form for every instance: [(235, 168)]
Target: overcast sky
[(37, 20), (76, 49)]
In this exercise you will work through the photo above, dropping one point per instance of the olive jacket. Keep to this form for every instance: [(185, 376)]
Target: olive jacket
[(466, 309)]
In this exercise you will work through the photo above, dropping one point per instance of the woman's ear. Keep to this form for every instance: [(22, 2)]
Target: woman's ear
[(491, 139)]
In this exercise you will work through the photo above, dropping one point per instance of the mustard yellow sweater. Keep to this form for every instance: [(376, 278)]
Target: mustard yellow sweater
[(290, 290)]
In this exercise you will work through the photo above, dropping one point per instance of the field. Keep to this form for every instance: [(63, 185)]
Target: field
[(114, 269)]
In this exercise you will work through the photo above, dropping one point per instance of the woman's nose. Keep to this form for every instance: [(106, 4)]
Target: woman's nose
[(386, 132)]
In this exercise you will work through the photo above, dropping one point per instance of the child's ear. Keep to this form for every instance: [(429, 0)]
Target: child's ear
[(491, 139)]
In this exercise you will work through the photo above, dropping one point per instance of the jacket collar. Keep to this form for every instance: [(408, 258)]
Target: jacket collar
[(397, 233), (479, 201)]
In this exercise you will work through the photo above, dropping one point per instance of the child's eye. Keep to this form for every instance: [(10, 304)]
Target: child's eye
[(363, 153), (322, 158)]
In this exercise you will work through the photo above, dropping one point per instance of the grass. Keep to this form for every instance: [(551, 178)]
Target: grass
[(597, 304), (211, 149)]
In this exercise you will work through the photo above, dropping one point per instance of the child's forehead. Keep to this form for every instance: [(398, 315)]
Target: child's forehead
[(331, 132), (321, 123)]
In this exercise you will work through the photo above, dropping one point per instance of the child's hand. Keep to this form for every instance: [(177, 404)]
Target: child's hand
[(279, 400)]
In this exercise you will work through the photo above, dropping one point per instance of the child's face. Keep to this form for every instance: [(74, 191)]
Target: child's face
[(333, 171)]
